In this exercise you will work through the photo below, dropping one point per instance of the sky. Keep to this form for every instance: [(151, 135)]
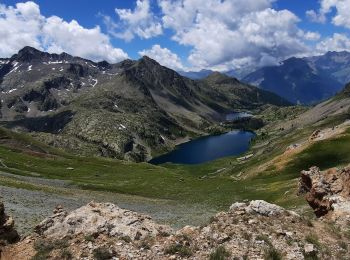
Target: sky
[(181, 34)]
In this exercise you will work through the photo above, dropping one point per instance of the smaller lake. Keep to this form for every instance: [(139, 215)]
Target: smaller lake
[(208, 148), (237, 115)]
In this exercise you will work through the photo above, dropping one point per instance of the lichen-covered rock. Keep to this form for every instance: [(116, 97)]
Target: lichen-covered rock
[(259, 207), (100, 218), (264, 208)]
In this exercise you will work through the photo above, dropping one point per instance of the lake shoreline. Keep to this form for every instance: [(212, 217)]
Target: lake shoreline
[(208, 148)]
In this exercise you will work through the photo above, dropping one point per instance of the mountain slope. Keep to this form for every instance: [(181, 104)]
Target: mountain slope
[(129, 110), (237, 94), (335, 109)]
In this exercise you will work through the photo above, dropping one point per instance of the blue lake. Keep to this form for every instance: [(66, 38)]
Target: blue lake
[(208, 148)]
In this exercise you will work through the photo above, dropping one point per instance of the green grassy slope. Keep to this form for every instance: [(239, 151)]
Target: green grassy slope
[(217, 183)]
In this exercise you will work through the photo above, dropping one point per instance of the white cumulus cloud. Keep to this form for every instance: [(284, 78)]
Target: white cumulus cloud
[(138, 22), (19, 26), (338, 42), (225, 34), (311, 36), (164, 56), (24, 25), (342, 11), (71, 37), (316, 17)]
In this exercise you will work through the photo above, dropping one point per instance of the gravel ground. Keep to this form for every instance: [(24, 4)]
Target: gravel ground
[(29, 207)]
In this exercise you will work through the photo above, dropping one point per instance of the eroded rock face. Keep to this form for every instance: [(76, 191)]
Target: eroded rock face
[(7, 232), (100, 218), (327, 192)]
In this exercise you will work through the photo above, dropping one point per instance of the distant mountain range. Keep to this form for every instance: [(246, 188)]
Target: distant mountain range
[(239, 74), (130, 110), (305, 80), (196, 74), (300, 80)]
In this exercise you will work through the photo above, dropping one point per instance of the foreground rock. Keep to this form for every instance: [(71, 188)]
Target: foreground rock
[(95, 218), (7, 232), (327, 192), (255, 230)]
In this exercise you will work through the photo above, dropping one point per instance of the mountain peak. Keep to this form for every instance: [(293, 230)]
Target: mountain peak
[(148, 61), (148, 64), (29, 53), (28, 49)]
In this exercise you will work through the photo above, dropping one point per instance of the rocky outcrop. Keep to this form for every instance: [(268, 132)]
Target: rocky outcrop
[(260, 207), (7, 232), (100, 218), (254, 230), (327, 192)]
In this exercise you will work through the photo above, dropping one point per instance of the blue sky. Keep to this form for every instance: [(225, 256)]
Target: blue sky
[(181, 34)]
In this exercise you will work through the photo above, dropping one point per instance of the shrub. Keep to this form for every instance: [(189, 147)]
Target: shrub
[(89, 238), (66, 254), (220, 253), (347, 233), (343, 245), (272, 254), (309, 223), (313, 239), (182, 250), (264, 238), (184, 237), (102, 253), (60, 244), (311, 256), (44, 247), (335, 230), (127, 239), (246, 236), (147, 242)]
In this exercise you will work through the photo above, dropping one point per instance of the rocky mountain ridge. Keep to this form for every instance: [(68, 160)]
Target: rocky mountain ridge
[(129, 110)]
